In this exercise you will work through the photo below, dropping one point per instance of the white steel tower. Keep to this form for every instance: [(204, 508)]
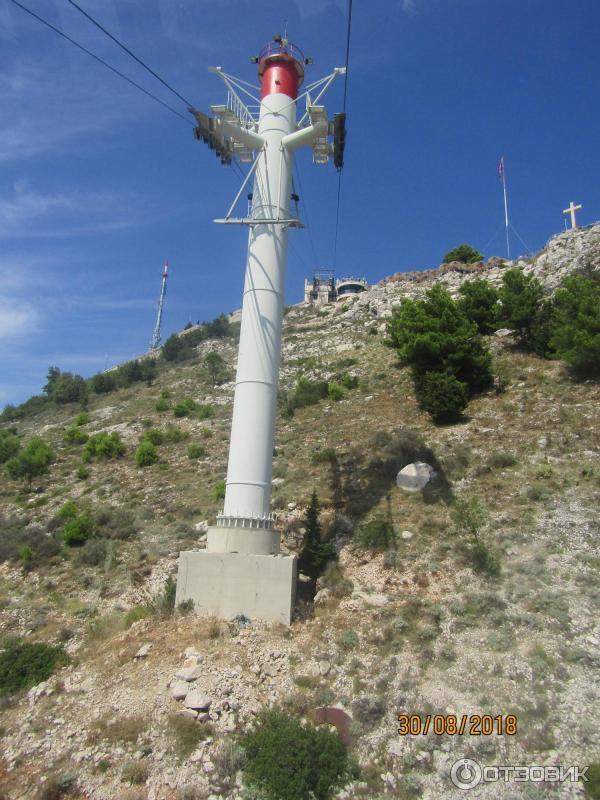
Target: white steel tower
[(241, 571), (155, 341)]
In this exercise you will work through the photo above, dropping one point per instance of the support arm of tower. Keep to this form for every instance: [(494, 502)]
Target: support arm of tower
[(239, 134), (305, 136)]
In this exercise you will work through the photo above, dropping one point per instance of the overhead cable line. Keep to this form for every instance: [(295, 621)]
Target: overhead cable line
[(347, 52), (101, 61), (339, 191), (129, 52)]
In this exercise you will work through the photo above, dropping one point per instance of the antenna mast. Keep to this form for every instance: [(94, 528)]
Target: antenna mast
[(155, 341)]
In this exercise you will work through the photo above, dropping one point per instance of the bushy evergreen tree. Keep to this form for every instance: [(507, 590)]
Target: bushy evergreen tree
[(315, 552), (146, 454), (521, 301), (479, 302), (463, 253), (575, 326), (34, 460), (441, 395), (64, 387), (103, 382), (289, 761), (9, 444), (174, 349), (215, 366), (448, 357)]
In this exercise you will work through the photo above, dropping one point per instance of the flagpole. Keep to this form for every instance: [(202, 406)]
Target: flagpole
[(505, 208)]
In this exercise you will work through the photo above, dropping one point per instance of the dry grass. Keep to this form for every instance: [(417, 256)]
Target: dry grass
[(118, 730)]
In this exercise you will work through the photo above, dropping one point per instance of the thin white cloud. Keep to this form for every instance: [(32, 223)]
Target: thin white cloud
[(312, 8), (18, 319), (409, 6), (33, 213)]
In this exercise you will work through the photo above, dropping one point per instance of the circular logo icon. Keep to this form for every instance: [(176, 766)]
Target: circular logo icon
[(465, 773)]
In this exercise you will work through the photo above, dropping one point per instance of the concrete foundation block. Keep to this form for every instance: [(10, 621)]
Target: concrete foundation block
[(228, 584)]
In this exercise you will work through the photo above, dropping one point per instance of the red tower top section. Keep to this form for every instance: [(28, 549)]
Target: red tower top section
[(281, 68)]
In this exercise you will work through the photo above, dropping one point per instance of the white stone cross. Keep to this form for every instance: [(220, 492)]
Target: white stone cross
[(571, 210)]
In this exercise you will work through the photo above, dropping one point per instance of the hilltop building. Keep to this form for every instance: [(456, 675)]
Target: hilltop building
[(322, 288)]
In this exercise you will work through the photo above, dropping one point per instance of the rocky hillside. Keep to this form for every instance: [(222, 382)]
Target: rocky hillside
[(151, 700)]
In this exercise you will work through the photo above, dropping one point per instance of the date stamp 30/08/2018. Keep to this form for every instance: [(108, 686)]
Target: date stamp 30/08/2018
[(457, 725)]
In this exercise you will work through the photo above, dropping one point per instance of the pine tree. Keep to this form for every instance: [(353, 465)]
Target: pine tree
[(315, 553)]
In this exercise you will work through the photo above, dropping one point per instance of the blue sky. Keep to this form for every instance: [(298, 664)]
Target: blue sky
[(100, 184)]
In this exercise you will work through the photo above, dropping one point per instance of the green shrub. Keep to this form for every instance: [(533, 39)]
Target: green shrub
[(82, 419), (205, 412), (184, 408), (174, 435), (349, 381), (103, 446), (575, 328), (441, 395), (325, 456), (26, 554), (484, 560), (349, 639), (25, 664), (9, 445), (288, 761), (174, 349), (94, 552), (115, 523), (78, 530), (104, 382), (306, 393), (434, 335), (479, 303), (34, 460), (82, 473), (463, 253), (68, 511), (154, 436), (592, 787), (162, 405), (16, 534), (63, 387), (335, 391), (74, 435), (216, 367), (469, 515), (195, 451), (520, 303), (30, 408), (378, 534), (219, 490), (146, 454), (501, 460)]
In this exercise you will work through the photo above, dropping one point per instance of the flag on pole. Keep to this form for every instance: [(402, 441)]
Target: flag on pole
[(501, 169)]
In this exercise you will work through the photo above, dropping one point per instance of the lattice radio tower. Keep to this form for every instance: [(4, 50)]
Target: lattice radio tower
[(155, 341)]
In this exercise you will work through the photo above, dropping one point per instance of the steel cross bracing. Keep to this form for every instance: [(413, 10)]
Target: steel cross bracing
[(232, 133)]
